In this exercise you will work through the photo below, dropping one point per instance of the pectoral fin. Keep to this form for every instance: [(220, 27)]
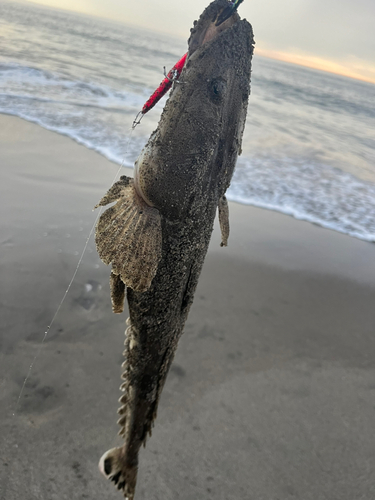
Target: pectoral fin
[(115, 192), (128, 236), (224, 220)]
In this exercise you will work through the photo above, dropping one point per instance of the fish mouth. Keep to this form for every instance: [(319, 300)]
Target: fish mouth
[(205, 29)]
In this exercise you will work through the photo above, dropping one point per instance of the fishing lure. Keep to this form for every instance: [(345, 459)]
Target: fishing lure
[(163, 88), (175, 72)]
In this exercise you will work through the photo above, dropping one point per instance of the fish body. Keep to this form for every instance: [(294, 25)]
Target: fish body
[(157, 234)]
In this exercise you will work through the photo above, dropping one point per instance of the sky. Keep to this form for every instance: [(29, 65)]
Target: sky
[(332, 35)]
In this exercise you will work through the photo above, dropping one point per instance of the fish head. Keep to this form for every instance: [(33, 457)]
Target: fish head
[(190, 158)]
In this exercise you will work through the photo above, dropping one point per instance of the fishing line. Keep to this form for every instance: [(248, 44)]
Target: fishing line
[(69, 286)]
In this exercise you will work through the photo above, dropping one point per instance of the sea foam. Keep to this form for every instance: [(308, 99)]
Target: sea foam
[(308, 145), (308, 191)]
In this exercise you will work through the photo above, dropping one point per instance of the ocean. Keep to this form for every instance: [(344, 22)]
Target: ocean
[(309, 142)]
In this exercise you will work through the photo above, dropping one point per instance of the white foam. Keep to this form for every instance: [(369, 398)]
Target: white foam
[(308, 191), (98, 116), (25, 82), (94, 115)]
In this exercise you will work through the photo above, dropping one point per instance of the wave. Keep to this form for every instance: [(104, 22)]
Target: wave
[(316, 98), (29, 82), (293, 121), (308, 191), (302, 188)]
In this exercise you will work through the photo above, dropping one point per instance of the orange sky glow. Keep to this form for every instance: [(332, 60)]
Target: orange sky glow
[(352, 69)]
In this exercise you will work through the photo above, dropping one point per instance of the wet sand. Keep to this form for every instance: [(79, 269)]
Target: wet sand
[(272, 392)]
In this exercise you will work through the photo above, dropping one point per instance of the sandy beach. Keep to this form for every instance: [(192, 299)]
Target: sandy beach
[(272, 392)]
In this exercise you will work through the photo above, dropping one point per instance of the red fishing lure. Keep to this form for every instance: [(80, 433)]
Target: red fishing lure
[(163, 88)]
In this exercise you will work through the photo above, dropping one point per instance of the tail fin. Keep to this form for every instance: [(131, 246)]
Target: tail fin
[(128, 235), (113, 467)]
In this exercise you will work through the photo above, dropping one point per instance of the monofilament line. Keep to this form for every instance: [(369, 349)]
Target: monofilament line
[(68, 288), (56, 313)]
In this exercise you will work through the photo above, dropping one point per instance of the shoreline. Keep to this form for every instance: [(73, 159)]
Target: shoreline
[(293, 212), (271, 393), (279, 221)]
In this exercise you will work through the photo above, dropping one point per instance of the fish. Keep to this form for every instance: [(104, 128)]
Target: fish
[(157, 232)]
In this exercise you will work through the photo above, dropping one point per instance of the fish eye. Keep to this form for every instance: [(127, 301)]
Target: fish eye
[(217, 87)]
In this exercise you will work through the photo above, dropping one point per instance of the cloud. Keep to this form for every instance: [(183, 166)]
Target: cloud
[(327, 28)]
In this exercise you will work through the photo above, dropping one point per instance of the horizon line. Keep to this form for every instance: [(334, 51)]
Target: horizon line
[(306, 61)]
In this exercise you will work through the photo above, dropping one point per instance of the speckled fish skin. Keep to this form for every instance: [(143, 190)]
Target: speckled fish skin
[(183, 174), (193, 152)]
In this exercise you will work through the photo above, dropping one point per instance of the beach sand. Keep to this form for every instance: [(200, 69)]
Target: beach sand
[(272, 392)]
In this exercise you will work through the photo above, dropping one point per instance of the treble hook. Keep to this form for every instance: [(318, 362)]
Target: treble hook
[(175, 75), (137, 120)]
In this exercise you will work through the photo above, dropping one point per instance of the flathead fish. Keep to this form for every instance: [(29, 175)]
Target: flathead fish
[(157, 233)]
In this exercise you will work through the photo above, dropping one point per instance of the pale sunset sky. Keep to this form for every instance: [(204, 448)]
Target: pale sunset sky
[(332, 35)]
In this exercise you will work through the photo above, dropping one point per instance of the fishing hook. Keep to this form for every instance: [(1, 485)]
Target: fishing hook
[(175, 75), (137, 119)]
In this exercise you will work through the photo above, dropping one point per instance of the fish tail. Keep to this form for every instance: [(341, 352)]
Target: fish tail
[(114, 467)]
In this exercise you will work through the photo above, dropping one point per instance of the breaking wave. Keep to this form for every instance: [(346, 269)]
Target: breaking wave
[(308, 191), (308, 146)]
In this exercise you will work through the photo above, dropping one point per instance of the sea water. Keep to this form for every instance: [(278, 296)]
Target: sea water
[(309, 143)]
